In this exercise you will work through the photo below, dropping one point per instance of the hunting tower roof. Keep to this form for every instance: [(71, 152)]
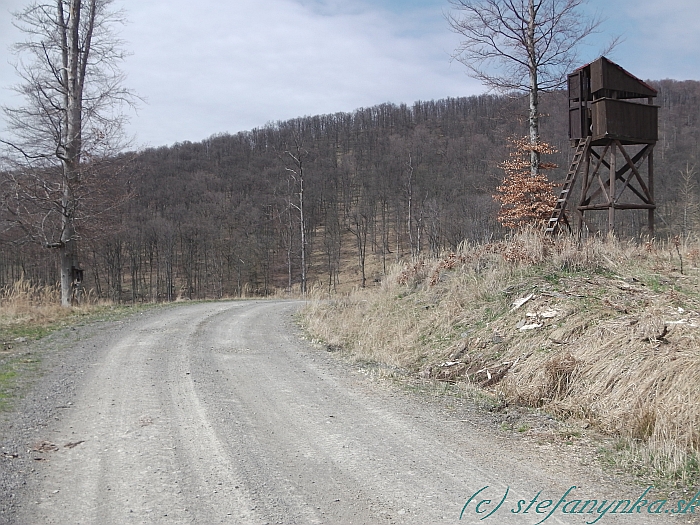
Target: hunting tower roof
[(608, 79)]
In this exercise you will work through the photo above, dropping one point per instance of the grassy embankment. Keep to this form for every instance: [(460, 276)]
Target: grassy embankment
[(606, 334)]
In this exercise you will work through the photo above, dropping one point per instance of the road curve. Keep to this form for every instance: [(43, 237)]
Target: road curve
[(218, 413)]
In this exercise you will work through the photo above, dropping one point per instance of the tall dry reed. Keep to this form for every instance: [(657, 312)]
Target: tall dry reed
[(24, 304)]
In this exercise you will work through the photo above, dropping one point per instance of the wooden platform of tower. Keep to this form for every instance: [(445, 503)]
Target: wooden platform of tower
[(613, 126)]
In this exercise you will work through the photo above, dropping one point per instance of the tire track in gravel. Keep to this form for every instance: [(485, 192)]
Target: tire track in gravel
[(217, 413)]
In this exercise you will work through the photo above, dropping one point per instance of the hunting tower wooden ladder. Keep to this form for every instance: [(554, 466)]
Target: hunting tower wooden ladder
[(558, 212)]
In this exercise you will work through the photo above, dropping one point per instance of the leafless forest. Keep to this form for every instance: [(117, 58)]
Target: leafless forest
[(324, 200)]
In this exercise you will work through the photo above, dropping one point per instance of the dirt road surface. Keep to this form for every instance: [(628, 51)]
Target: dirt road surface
[(219, 413)]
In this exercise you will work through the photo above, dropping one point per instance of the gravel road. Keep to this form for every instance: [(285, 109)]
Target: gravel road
[(219, 413)]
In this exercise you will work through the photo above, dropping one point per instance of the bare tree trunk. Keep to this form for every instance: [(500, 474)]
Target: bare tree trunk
[(398, 234), (534, 118), (67, 250), (74, 68), (385, 233), (303, 230), (360, 223), (409, 220), (298, 157), (289, 255), (689, 205), (287, 234)]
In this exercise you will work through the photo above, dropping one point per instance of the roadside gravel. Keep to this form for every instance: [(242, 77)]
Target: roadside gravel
[(46, 390)]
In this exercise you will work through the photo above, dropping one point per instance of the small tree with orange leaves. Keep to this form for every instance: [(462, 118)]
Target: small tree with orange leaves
[(525, 199)]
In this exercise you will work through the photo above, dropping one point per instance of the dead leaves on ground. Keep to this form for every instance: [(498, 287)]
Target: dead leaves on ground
[(44, 446), (47, 446)]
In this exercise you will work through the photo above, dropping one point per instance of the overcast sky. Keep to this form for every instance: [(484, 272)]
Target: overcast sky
[(215, 66)]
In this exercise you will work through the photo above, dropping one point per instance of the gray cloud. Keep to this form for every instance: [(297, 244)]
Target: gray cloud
[(216, 66), (228, 68)]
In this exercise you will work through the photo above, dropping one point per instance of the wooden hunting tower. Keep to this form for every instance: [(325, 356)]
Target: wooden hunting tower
[(611, 115)]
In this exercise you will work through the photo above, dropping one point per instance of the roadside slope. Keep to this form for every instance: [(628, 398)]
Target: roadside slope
[(604, 334)]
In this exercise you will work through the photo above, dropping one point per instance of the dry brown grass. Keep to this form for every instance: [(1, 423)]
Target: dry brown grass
[(29, 310), (610, 334), (22, 302)]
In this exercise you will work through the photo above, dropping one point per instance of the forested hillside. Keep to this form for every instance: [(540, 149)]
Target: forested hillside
[(223, 217)]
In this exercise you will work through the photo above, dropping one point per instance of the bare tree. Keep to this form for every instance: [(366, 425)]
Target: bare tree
[(688, 199), (298, 155), (71, 120), (522, 46)]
